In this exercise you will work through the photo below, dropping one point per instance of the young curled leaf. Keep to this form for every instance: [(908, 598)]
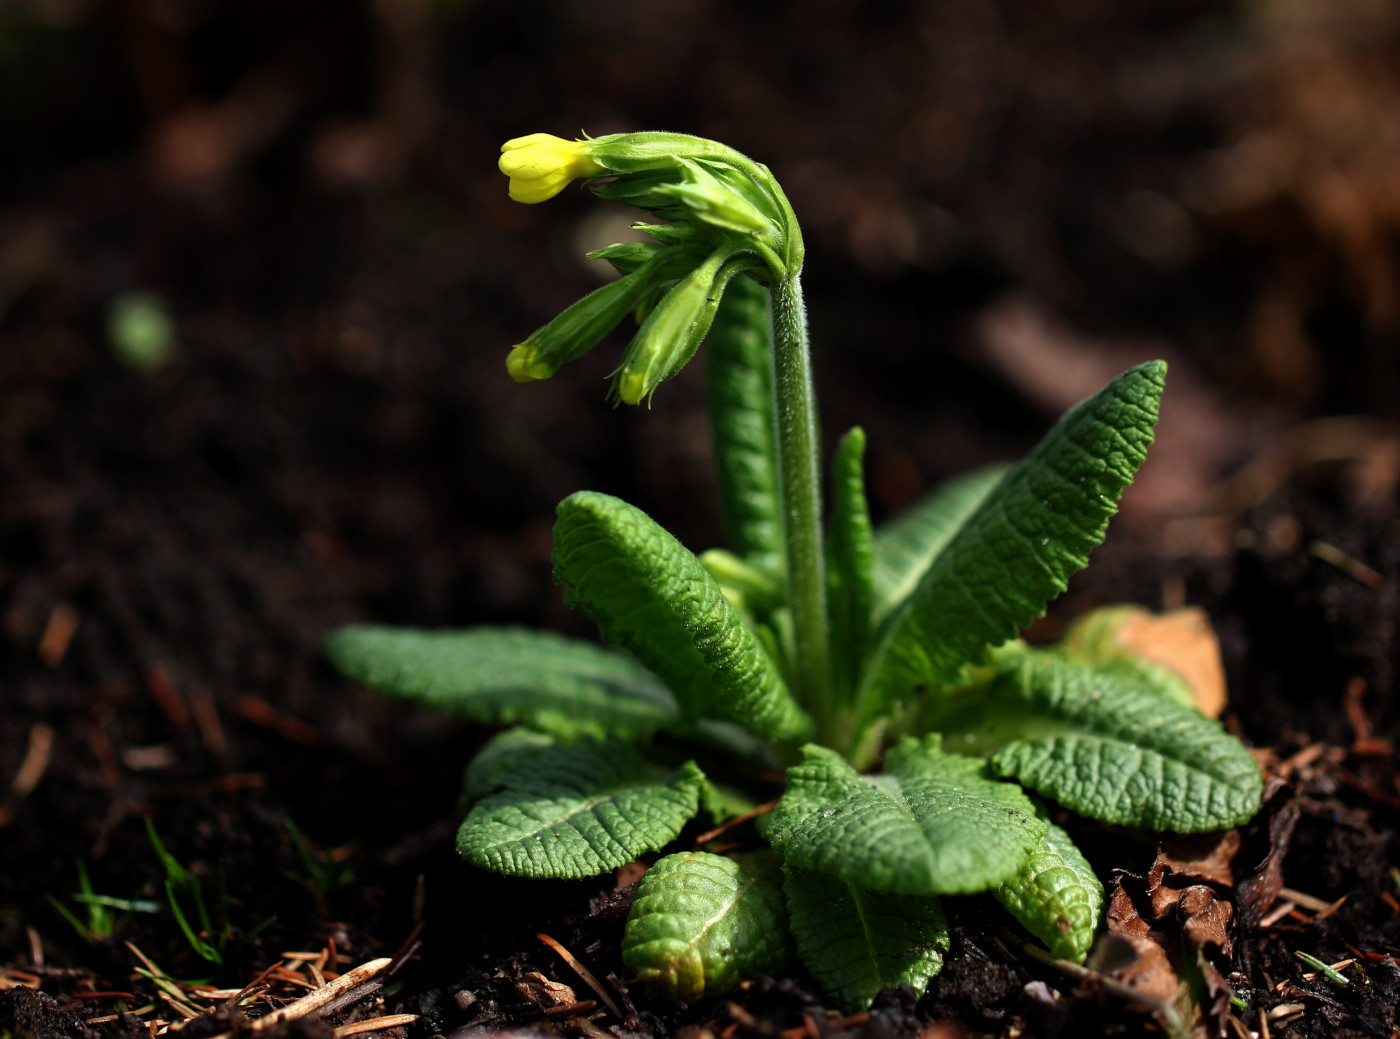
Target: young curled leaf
[(653, 598), (739, 377), (702, 923), (849, 559), (575, 810), (1056, 896), (857, 942)]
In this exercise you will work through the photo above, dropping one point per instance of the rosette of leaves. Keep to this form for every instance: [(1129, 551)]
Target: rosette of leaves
[(916, 767)]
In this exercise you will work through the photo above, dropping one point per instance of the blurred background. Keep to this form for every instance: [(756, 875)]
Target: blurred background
[(258, 277)]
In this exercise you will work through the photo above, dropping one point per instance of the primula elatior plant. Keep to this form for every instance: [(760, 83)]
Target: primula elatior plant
[(877, 672)]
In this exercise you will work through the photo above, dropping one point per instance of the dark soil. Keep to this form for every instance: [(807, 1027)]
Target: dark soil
[(1005, 205)]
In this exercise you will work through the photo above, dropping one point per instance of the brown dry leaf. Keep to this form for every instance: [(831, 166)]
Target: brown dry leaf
[(1179, 887), (1184, 641), (543, 992), (1257, 889), (1151, 973), (1205, 919)]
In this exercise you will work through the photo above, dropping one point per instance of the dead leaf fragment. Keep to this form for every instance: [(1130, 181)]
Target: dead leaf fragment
[(543, 992), (1184, 641)]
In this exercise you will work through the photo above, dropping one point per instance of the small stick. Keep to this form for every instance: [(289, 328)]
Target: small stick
[(314, 1001), (374, 1024), (705, 838), (1348, 564), (247, 990), (35, 763), (1307, 901), (58, 633), (583, 972), (1277, 913), (409, 947)]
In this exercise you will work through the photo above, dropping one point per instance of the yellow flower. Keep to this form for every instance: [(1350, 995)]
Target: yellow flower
[(541, 165)]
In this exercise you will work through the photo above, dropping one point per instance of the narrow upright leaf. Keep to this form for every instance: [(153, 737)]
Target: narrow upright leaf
[(576, 810), (702, 923), (507, 675), (848, 561), (1056, 896), (907, 546), (931, 824), (857, 942), (652, 597), (1018, 548), (1104, 746), (739, 371)]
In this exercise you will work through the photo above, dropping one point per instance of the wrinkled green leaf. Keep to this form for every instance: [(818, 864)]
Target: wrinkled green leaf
[(702, 923), (856, 942), (653, 598), (907, 546), (849, 560), (500, 755), (739, 372), (930, 824), (576, 810), (1056, 896), (507, 675), (1017, 549), (1105, 747)]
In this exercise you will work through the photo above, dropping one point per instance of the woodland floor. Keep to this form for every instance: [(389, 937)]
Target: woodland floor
[(1006, 206)]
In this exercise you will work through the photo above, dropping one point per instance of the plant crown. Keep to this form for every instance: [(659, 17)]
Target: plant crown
[(921, 740)]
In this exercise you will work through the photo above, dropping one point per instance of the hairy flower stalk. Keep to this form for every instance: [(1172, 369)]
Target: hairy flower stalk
[(725, 216)]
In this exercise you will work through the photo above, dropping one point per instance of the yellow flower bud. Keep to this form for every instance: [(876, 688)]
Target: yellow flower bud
[(524, 364), (541, 165)]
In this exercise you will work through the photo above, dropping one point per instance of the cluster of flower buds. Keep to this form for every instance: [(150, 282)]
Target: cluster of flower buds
[(718, 215)]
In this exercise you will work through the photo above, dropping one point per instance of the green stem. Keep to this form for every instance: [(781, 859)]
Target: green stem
[(798, 455)]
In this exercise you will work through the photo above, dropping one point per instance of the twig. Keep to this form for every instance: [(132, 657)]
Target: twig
[(1348, 564), (374, 1024), (753, 813), (314, 1001), (58, 633), (35, 763), (583, 972), (1303, 899)]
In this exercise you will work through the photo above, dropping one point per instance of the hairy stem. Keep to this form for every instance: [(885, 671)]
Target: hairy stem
[(798, 456)]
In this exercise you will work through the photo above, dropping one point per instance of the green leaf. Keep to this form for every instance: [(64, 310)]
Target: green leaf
[(1105, 747), (507, 675), (502, 754), (856, 943), (849, 559), (702, 923), (739, 371), (1093, 640), (1056, 896), (931, 824), (652, 597), (1019, 546), (907, 546), (576, 810)]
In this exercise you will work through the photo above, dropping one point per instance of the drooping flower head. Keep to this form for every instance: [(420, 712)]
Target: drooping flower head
[(541, 165), (725, 216)]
